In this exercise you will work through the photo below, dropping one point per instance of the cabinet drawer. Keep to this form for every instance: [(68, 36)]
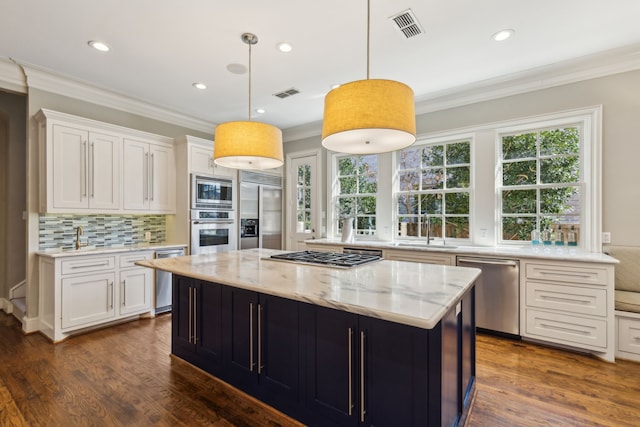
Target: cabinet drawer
[(572, 330), (584, 275), (87, 265), (427, 258), (629, 335), (574, 299), (129, 260)]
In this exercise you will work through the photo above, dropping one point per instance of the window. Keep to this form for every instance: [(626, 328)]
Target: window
[(541, 181), (434, 190), (356, 191), (303, 206)]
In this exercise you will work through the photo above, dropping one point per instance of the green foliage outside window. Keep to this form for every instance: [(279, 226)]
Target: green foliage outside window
[(540, 181), (357, 189)]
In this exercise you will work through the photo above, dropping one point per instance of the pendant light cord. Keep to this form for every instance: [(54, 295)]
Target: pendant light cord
[(368, 34), (249, 81)]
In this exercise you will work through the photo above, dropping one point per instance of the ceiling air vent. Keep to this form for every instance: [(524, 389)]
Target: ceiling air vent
[(287, 93), (407, 23)]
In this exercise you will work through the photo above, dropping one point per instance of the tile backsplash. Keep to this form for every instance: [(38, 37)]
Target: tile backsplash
[(59, 231)]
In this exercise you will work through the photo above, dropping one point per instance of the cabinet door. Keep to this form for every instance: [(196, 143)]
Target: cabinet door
[(208, 302), (182, 325), (241, 327), (104, 171), (392, 390), (135, 290), (450, 368), (468, 346), (135, 175), (69, 150), (87, 299), (332, 377), (162, 179), (279, 344), (201, 160)]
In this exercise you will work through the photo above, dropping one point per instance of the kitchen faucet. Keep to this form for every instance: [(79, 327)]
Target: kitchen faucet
[(78, 234), (428, 229)]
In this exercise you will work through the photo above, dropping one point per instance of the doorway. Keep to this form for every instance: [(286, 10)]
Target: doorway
[(303, 198)]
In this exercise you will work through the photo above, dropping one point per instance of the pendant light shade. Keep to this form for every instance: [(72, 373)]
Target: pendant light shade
[(247, 144), (369, 116)]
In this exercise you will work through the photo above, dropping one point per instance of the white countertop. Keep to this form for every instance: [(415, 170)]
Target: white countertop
[(410, 293), (542, 252), (92, 250)]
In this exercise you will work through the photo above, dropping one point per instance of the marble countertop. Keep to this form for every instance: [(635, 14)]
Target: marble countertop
[(539, 252), (409, 293), (92, 250)]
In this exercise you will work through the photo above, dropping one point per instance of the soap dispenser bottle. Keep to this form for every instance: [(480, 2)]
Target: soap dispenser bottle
[(571, 237)]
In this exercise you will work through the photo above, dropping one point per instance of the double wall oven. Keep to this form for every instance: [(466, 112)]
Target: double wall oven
[(213, 223)]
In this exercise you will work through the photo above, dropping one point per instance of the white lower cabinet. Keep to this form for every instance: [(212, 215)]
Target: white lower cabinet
[(628, 342), (79, 292), (87, 299), (570, 304)]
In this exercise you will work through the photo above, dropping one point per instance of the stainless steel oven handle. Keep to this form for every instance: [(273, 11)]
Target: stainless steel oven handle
[(224, 221)]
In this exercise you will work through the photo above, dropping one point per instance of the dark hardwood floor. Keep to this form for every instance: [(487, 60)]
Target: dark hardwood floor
[(123, 376)]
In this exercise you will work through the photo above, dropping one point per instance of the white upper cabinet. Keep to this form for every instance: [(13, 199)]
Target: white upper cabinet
[(149, 177), (85, 170), (93, 167), (201, 160)]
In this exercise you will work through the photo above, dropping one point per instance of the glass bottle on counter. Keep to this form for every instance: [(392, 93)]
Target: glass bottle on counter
[(559, 237), (571, 237), (535, 237), (546, 236)]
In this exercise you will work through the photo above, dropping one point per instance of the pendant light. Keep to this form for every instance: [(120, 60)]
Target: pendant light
[(247, 144), (369, 116)]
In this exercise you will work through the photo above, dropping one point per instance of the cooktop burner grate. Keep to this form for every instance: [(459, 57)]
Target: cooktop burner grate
[(327, 258)]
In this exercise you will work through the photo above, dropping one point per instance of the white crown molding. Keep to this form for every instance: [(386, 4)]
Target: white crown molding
[(62, 85), (307, 130), (11, 76), (584, 68)]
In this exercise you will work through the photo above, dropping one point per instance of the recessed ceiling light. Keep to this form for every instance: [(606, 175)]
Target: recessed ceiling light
[(503, 35), (284, 47), (260, 110), (200, 86), (101, 46)]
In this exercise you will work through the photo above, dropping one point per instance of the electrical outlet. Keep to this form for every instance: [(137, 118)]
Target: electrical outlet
[(147, 236), (606, 237)]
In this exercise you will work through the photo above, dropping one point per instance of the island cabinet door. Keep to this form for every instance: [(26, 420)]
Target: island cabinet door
[(197, 323), (393, 374), (331, 370), (240, 323)]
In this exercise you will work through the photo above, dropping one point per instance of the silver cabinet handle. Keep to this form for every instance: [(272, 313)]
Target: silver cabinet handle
[(145, 188), (83, 172), (111, 286), (195, 315), (350, 355), (92, 172), (260, 339), (190, 313), (251, 337), (362, 401), (152, 177), (102, 264), (124, 292)]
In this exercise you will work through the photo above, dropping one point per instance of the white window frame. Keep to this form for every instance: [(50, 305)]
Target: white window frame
[(589, 120)]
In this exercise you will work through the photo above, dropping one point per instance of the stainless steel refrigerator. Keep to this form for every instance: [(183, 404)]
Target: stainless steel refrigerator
[(260, 210)]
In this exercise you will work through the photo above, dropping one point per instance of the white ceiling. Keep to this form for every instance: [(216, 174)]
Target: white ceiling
[(160, 47)]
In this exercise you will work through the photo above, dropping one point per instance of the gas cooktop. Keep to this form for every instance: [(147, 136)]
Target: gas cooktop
[(331, 259)]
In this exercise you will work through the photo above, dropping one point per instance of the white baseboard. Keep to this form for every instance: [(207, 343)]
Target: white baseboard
[(30, 324), (6, 305)]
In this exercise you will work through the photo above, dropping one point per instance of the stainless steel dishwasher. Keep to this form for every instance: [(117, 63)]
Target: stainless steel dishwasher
[(497, 293), (163, 281)]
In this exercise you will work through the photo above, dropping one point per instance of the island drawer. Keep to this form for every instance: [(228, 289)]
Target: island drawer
[(581, 331), (129, 260), (565, 273), (87, 265), (629, 336), (574, 299)]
